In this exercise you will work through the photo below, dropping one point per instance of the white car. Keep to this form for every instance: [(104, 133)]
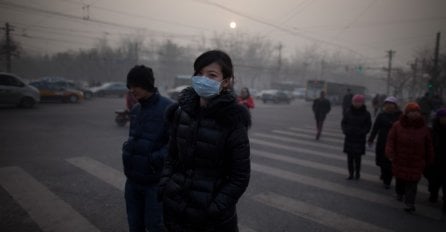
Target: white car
[(14, 91)]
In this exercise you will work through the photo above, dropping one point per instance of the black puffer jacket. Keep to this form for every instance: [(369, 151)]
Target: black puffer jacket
[(208, 164), (381, 127), (356, 124)]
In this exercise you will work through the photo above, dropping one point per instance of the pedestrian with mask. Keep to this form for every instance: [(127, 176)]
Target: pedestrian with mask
[(144, 152), (381, 127), (355, 125), (208, 166), (321, 107), (409, 148)]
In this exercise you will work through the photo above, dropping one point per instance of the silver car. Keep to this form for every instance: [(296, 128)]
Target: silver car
[(14, 91)]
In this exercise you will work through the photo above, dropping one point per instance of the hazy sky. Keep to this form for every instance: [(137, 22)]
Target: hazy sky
[(365, 27)]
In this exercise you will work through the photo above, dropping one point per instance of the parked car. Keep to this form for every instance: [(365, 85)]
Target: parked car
[(110, 89), (14, 91), (88, 94), (275, 96), (50, 92)]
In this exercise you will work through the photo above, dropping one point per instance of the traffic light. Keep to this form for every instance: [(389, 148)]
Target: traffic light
[(429, 85)]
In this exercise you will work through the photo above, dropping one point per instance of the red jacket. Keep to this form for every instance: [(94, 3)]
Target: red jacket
[(248, 102), (409, 147)]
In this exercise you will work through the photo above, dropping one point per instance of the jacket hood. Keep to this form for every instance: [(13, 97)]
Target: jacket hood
[(223, 107), (417, 123)]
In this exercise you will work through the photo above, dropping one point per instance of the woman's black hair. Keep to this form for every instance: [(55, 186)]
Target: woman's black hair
[(215, 56)]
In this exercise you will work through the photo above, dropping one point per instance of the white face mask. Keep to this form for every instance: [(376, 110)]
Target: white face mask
[(205, 87)]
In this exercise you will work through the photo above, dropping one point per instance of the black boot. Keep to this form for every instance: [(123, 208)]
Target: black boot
[(350, 167)]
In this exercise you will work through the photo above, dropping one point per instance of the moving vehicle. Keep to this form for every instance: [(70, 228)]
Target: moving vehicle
[(118, 89), (334, 91), (14, 91), (275, 96), (52, 92), (88, 94)]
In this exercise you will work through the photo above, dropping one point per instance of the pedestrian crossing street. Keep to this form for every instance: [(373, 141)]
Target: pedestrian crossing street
[(293, 147)]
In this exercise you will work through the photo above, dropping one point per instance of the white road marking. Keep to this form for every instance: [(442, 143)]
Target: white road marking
[(342, 189), (45, 208), (319, 215), (101, 171)]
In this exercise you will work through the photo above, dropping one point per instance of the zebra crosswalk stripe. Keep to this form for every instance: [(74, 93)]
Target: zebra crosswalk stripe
[(111, 176), (107, 174), (306, 151), (305, 130), (44, 207), (341, 189), (317, 165), (313, 213), (337, 148)]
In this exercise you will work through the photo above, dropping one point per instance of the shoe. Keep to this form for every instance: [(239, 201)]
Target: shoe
[(410, 209), (357, 176), (399, 197), (349, 177), (386, 186)]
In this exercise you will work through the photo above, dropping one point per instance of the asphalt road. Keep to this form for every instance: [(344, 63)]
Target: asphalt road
[(61, 170)]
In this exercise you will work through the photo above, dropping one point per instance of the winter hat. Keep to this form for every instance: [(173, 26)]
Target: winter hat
[(358, 98), (411, 106), (141, 76), (391, 99), (441, 113)]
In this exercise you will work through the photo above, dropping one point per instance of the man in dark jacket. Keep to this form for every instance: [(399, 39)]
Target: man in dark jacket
[(144, 152), (321, 107)]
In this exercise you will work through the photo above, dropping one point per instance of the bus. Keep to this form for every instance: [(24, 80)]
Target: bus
[(334, 91)]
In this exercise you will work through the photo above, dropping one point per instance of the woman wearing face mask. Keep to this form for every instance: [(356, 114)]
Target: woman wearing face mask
[(409, 148), (208, 164), (355, 124), (381, 127)]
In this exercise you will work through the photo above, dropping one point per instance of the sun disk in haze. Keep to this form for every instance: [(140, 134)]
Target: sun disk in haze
[(233, 25)]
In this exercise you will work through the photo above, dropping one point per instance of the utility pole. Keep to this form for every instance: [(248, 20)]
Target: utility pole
[(279, 61), (390, 53), (434, 82), (8, 46)]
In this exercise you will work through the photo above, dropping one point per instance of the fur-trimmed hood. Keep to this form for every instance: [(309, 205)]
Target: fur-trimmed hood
[(223, 107)]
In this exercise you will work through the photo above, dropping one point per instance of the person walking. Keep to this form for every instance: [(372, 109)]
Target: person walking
[(381, 127), (347, 101), (321, 107), (245, 98), (437, 174), (376, 104), (409, 148), (208, 166), (355, 125), (144, 152)]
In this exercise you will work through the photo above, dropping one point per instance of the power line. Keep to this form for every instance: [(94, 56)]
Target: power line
[(97, 21), (292, 32)]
